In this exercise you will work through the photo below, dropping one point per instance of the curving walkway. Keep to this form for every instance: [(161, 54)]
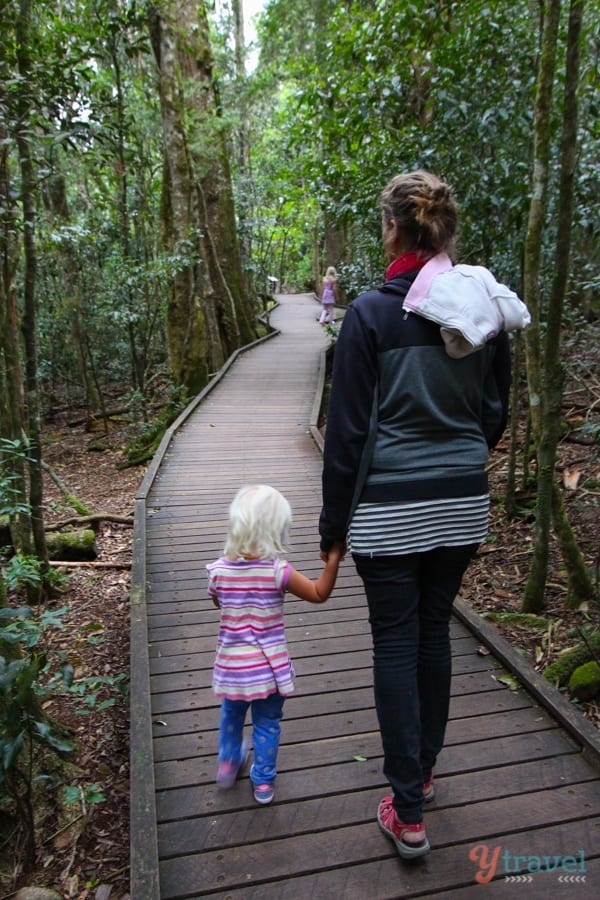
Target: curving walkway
[(519, 776)]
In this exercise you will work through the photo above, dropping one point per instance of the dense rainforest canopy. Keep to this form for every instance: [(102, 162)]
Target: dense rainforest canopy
[(139, 120)]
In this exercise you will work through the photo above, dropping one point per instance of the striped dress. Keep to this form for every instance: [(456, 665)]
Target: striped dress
[(252, 659)]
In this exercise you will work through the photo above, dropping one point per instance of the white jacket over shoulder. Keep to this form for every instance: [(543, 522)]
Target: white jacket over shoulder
[(467, 302)]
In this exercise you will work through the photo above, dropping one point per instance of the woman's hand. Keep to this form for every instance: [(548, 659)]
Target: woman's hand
[(341, 548)]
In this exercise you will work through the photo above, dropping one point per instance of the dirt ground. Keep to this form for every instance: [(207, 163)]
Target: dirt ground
[(91, 858)]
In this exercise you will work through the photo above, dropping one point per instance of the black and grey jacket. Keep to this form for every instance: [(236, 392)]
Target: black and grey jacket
[(405, 420)]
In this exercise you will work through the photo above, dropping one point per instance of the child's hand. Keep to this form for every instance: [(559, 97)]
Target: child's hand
[(337, 551), (216, 603)]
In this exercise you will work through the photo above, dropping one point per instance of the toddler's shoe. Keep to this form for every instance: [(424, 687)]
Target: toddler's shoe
[(264, 793), (410, 839), (228, 772)]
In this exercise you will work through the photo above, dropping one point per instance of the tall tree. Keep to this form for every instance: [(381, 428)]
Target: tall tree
[(208, 315), (12, 408), (28, 186), (544, 367)]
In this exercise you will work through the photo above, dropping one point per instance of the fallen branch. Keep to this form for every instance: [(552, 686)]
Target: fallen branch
[(59, 564), (94, 519), (72, 500)]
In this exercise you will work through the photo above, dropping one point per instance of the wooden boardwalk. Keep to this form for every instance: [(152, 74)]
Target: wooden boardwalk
[(518, 777)]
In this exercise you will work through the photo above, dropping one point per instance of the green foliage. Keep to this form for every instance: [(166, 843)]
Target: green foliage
[(147, 435), (10, 502), (11, 499), (22, 570), (346, 95), (22, 689), (86, 795), (90, 689), (28, 681)]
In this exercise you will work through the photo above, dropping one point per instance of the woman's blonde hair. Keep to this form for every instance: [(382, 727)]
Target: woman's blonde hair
[(424, 210), (259, 523)]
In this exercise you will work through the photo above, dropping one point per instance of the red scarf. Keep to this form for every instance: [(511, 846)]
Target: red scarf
[(405, 263)]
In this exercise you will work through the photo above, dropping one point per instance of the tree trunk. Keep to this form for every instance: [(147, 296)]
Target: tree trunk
[(34, 450), (244, 171), (11, 376), (580, 582), (548, 427), (207, 316), (510, 501), (533, 599)]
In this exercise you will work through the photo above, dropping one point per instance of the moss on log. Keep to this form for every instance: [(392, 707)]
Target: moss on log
[(561, 669), (584, 683), (519, 619), (72, 545)]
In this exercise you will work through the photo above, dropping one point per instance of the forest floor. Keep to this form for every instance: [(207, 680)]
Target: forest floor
[(90, 859)]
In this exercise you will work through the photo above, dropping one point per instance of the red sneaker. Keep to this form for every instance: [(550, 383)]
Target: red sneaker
[(428, 791), (410, 839)]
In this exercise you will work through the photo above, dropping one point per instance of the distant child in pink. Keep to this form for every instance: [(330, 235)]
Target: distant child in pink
[(328, 296), (252, 666)]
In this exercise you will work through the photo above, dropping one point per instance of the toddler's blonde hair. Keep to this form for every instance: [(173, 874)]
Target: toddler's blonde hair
[(259, 523)]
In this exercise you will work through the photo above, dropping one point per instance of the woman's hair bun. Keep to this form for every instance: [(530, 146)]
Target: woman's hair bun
[(430, 202), (424, 209)]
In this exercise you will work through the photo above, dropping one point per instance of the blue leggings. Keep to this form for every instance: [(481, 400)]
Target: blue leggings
[(266, 728)]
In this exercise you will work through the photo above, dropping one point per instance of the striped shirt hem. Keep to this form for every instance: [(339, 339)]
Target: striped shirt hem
[(394, 529)]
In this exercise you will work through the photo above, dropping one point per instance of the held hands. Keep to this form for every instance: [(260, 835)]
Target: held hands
[(337, 551)]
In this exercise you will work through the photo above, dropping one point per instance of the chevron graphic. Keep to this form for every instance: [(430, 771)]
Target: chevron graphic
[(571, 879), (518, 879)]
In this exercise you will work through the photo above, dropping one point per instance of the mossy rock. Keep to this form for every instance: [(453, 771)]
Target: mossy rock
[(584, 683), (72, 545), (561, 669)]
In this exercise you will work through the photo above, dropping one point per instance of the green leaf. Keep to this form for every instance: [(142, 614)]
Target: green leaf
[(510, 681), (10, 750), (58, 743)]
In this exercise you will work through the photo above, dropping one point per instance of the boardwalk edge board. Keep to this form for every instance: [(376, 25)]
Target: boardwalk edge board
[(144, 880)]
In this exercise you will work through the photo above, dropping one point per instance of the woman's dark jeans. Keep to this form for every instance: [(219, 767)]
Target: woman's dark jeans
[(410, 602)]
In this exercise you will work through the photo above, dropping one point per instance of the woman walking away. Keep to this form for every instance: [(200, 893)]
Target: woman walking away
[(252, 666), (328, 296), (420, 390)]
